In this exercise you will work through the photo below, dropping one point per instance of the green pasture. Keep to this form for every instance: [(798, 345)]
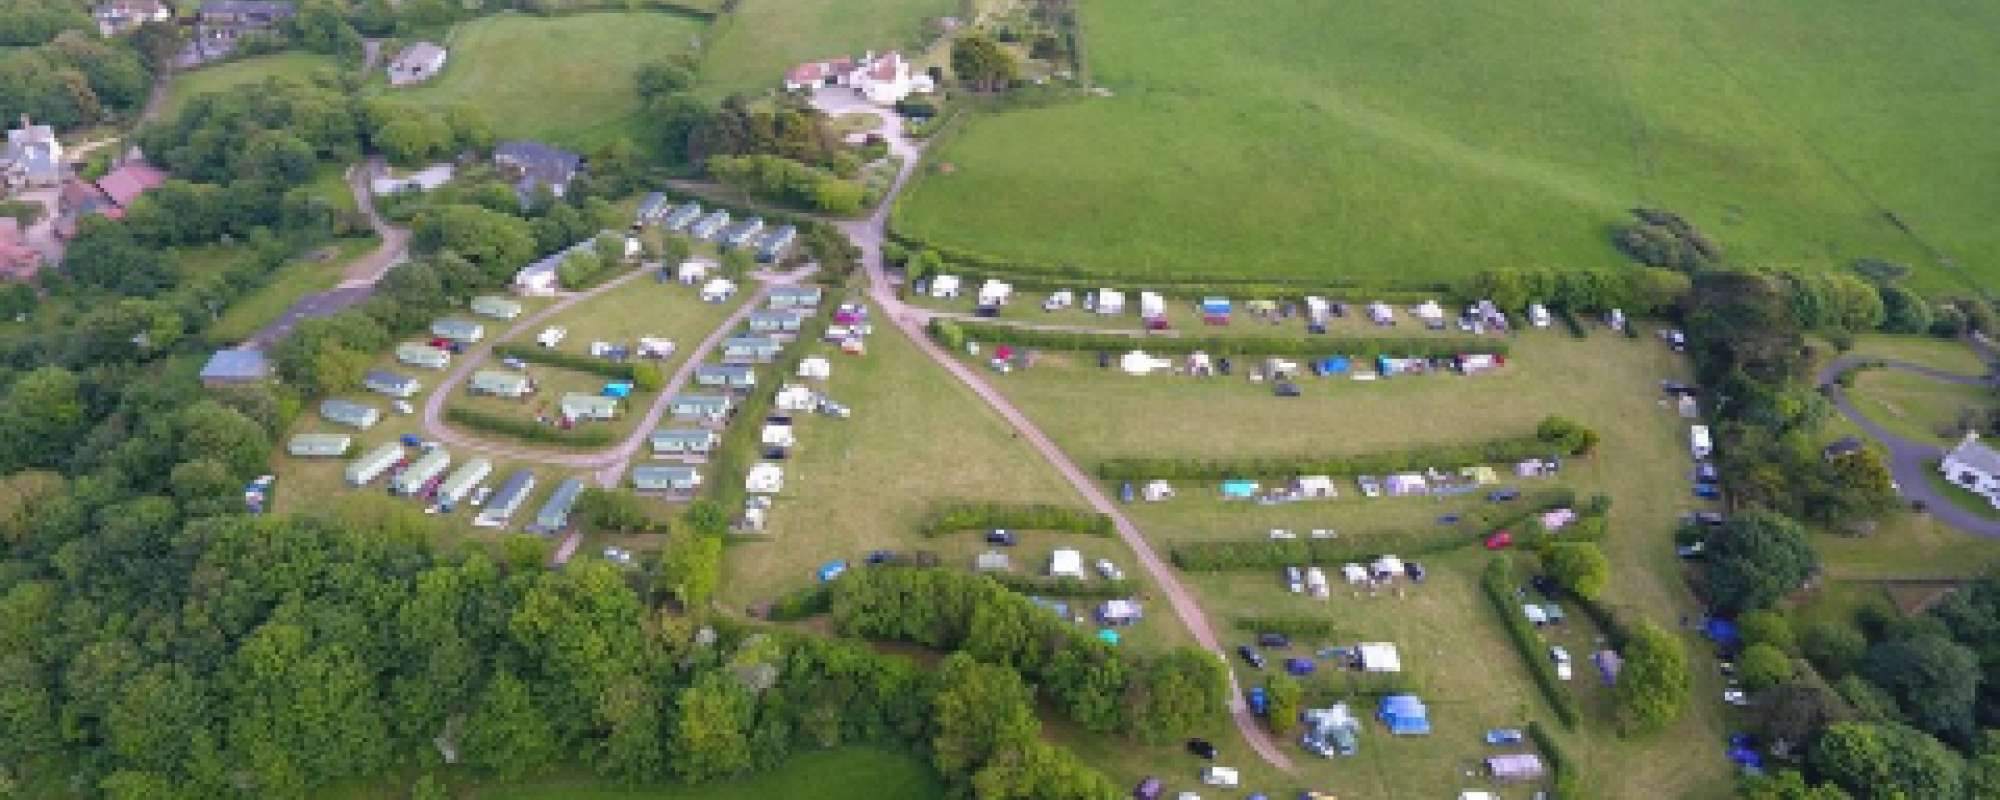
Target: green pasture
[(758, 42), (234, 74)]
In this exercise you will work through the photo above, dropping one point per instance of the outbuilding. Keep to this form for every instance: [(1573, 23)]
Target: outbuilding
[(500, 383), (391, 384), (421, 472), (496, 307), (462, 331), (666, 478), (725, 376), (512, 494), (580, 406), (764, 478), (417, 354), (554, 515), (349, 413), (319, 445), (684, 441), (371, 465), (462, 480), (1066, 563)]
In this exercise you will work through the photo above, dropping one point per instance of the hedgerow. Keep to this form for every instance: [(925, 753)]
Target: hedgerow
[(1287, 624), (528, 429), (1561, 438), (957, 517), (1499, 583), (569, 361)]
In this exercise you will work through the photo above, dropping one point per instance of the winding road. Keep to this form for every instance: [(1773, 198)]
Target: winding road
[(358, 279), (1910, 461), (867, 235)]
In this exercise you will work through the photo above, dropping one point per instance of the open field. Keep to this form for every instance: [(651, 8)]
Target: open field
[(764, 38), (1909, 545), (1413, 142), (297, 278), (1917, 407), (567, 80), (1950, 355), (1606, 382), (224, 77)]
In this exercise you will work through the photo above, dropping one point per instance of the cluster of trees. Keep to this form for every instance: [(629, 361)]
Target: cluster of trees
[(784, 180), (1153, 698), (278, 130), (1660, 238), (1642, 290), (980, 63), (409, 134), (67, 78)]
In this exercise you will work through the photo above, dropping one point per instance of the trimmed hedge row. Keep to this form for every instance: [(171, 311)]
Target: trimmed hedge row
[(1251, 554), (1014, 516), (528, 429), (1498, 451), (1064, 587), (1499, 583), (1568, 785), (1288, 624), (1297, 346), (569, 361)]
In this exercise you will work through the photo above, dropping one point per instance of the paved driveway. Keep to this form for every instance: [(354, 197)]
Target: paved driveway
[(1911, 461)]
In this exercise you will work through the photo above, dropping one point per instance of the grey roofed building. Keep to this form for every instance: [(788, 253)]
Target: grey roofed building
[(652, 208), (458, 330), (796, 297), (417, 63), (531, 165), (699, 405), (500, 383), (319, 444), (652, 477), (33, 156), (507, 499), (683, 441), (991, 561), (750, 348), (775, 243), (682, 217), (741, 234), (733, 376), (496, 307), (235, 367), (554, 515), (348, 412), (775, 321), (709, 226), (247, 12), (389, 383)]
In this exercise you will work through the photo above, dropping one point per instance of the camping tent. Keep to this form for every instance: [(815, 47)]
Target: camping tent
[(1157, 491), (1354, 573), (1314, 486), (1238, 489), (1066, 564), (1387, 567), (1379, 657), (1406, 483), (1119, 612), (1515, 767), (1405, 715)]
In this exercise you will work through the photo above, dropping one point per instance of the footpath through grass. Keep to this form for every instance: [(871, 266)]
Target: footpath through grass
[(1419, 140)]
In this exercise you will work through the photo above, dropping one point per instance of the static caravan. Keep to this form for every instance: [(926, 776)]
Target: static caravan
[(684, 441), (750, 348), (371, 465), (462, 480), (802, 297), (421, 472), (743, 233), (391, 384), (725, 376), (682, 217), (775, 321), (496, 307), (1699, 443), (660, 478), (349, 413), (776, 243), (579, 406), (554, 515), (500, 383), (319, 445), (709, 227), (512, 494), (417, 354), (463, 331), (652, 208), (699, 406)]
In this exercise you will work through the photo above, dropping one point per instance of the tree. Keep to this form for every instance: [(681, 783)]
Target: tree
[(1787, 784), (1577, 566), (647, 377), (1766, 627), (1284, 695), (709, 731), (1762, 666), (414, 136), (691, 568), (631, 715), (1653, 686), (658, 79), (978, 712), (1885, 761), (1796, 712), (982, 63), (499, 244), (1757, 557), (1933, 679), (507, 735), (616, 510), (1833, 647), (41, 418)]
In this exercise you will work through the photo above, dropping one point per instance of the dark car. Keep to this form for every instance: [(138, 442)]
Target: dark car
[(1286, 389), (1414, 570), (1503, 495), (1223, 365), (1201, 747), (1125, 491), (986, 311), (1708, 517), (1250, 656), (1000, 537), (1707, 491), (881, 556), (776, 454), (1274, 640), (1104, 359), (1448, 519), (1315, 327)]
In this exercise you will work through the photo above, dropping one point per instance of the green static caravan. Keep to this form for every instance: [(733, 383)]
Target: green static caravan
[(349, 413), (666, 478), (319, 445)]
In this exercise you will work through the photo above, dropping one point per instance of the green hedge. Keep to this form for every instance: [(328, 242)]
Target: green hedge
[(1064, 587), (1252, 554), (800, 603), (1294, 346), (1287, 624), (1499, 582), (1567, 781), (570, 361), (1569, 321), (1498, 451), (527, 429), (957, 517)]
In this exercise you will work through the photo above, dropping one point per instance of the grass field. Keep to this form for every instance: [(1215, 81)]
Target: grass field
[(1950, 355), (317, 271), (567, 80), (764, 38), (1416, 141), (1605, 381), (1917, 407), (223, 77)]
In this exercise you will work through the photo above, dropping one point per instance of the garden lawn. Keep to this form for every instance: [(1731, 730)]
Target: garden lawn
[(1606, 381), (315, 272), (1951, 355), (1916, 407), (567, 80), (1416, 141), (231, 75), (761, 40)]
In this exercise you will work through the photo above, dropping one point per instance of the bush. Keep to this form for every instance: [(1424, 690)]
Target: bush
[(527, 429), (647, 377), (1499, 583), (1064, 587), (1294, 625), (1555, 436), (1298, 346), (1578, 567), (1766, 627), (805, 601), (1762, 666), (1833, 647), (570, 361), (957, 517)]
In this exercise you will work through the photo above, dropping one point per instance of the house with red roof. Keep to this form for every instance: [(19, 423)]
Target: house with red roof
[(131, 179), (884, 79)]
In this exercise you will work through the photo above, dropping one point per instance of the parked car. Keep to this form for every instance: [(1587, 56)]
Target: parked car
[(1735, 697), (1300, 666), (1250, 656), (1000, 537), (1104, 359), (1286, 389), (1503, 495), (1125, 493), (1201, 748), (1414, 570), (1273, 639), (1295, 580), (881, 556), (479, 496), (1260, 701), (1109, 570), (1707, 491), (1504, 736), (1565, 669)]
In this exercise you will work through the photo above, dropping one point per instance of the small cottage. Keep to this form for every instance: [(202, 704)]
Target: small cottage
[(462, 480)]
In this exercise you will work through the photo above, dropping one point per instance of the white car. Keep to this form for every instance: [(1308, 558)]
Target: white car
[(1281, 533), (1564, 668), (552, 336), (1295, 580), (1109, 570), (1735, 697)]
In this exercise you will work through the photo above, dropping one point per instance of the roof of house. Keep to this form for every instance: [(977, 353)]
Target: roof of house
[(129, 180), (535, 156), (337, 409), (242, 364), (1977, 455), (818, 70), (885, 66), (418, 56)]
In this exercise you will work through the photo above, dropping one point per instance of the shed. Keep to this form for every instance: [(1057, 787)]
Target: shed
[(684, 441), (554, 515), (725, 376), (666, 478), (816, 367), (417, 354), (349, 413), (463, 331), (372, 464), (765, 478), (1405, 715), (499, 383), (579, 406), (319, 445), (1066, 563), (784, 297), (991, 561), (718, 290), (1379, 657), (1314, 486), (391, 384), (235, 367), (1239, 489), (512, 494), (462, 480), (421, 472), (496, 307), (1515, 767), (699, 406)]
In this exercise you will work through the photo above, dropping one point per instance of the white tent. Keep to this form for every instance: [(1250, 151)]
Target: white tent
[(1388, 566), (1066, 564), (1316, 580), (1429, 311), (1316, 308), (1152, 304), (944, 287), (1381, 313), (765, 479), (1110, 301), (1198, 363), (778, 435), (1379, 657), (718, 290), (995, 293), (1406, 483), (1538, 315), (1061, 298), (693, 271), (1138, 362), (796, 398), (1354, 573), (815, 367), (1314, 485), (1157, 491)]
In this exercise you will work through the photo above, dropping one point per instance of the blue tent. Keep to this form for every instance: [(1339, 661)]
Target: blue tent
[(1405, 715), (1388, 366), (1333, 365), (831, 569), (1215, 306), (618, 389), (1239, 489), (1722, 632), (1108, 636)]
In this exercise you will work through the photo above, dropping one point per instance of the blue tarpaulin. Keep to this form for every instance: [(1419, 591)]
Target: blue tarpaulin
[(1107, 635), (1336, 365), (619, 389), (1722, 632), (1405, 715), (1239, 488), (831, 569)]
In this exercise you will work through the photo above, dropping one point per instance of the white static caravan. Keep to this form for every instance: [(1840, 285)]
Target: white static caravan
[(1698, 442), (462, 480), (425, 469), (372, 464)]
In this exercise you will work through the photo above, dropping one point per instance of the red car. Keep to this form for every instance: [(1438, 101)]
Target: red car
[(1500, 540)]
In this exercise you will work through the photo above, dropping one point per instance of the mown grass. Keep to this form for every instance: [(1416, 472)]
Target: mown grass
[(231, 75), (566, 80), (1416, 141), (1917, 407), (1950, 355), (762, 39)]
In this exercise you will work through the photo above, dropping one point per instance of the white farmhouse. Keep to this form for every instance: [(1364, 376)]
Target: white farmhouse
[(1974, 466)]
